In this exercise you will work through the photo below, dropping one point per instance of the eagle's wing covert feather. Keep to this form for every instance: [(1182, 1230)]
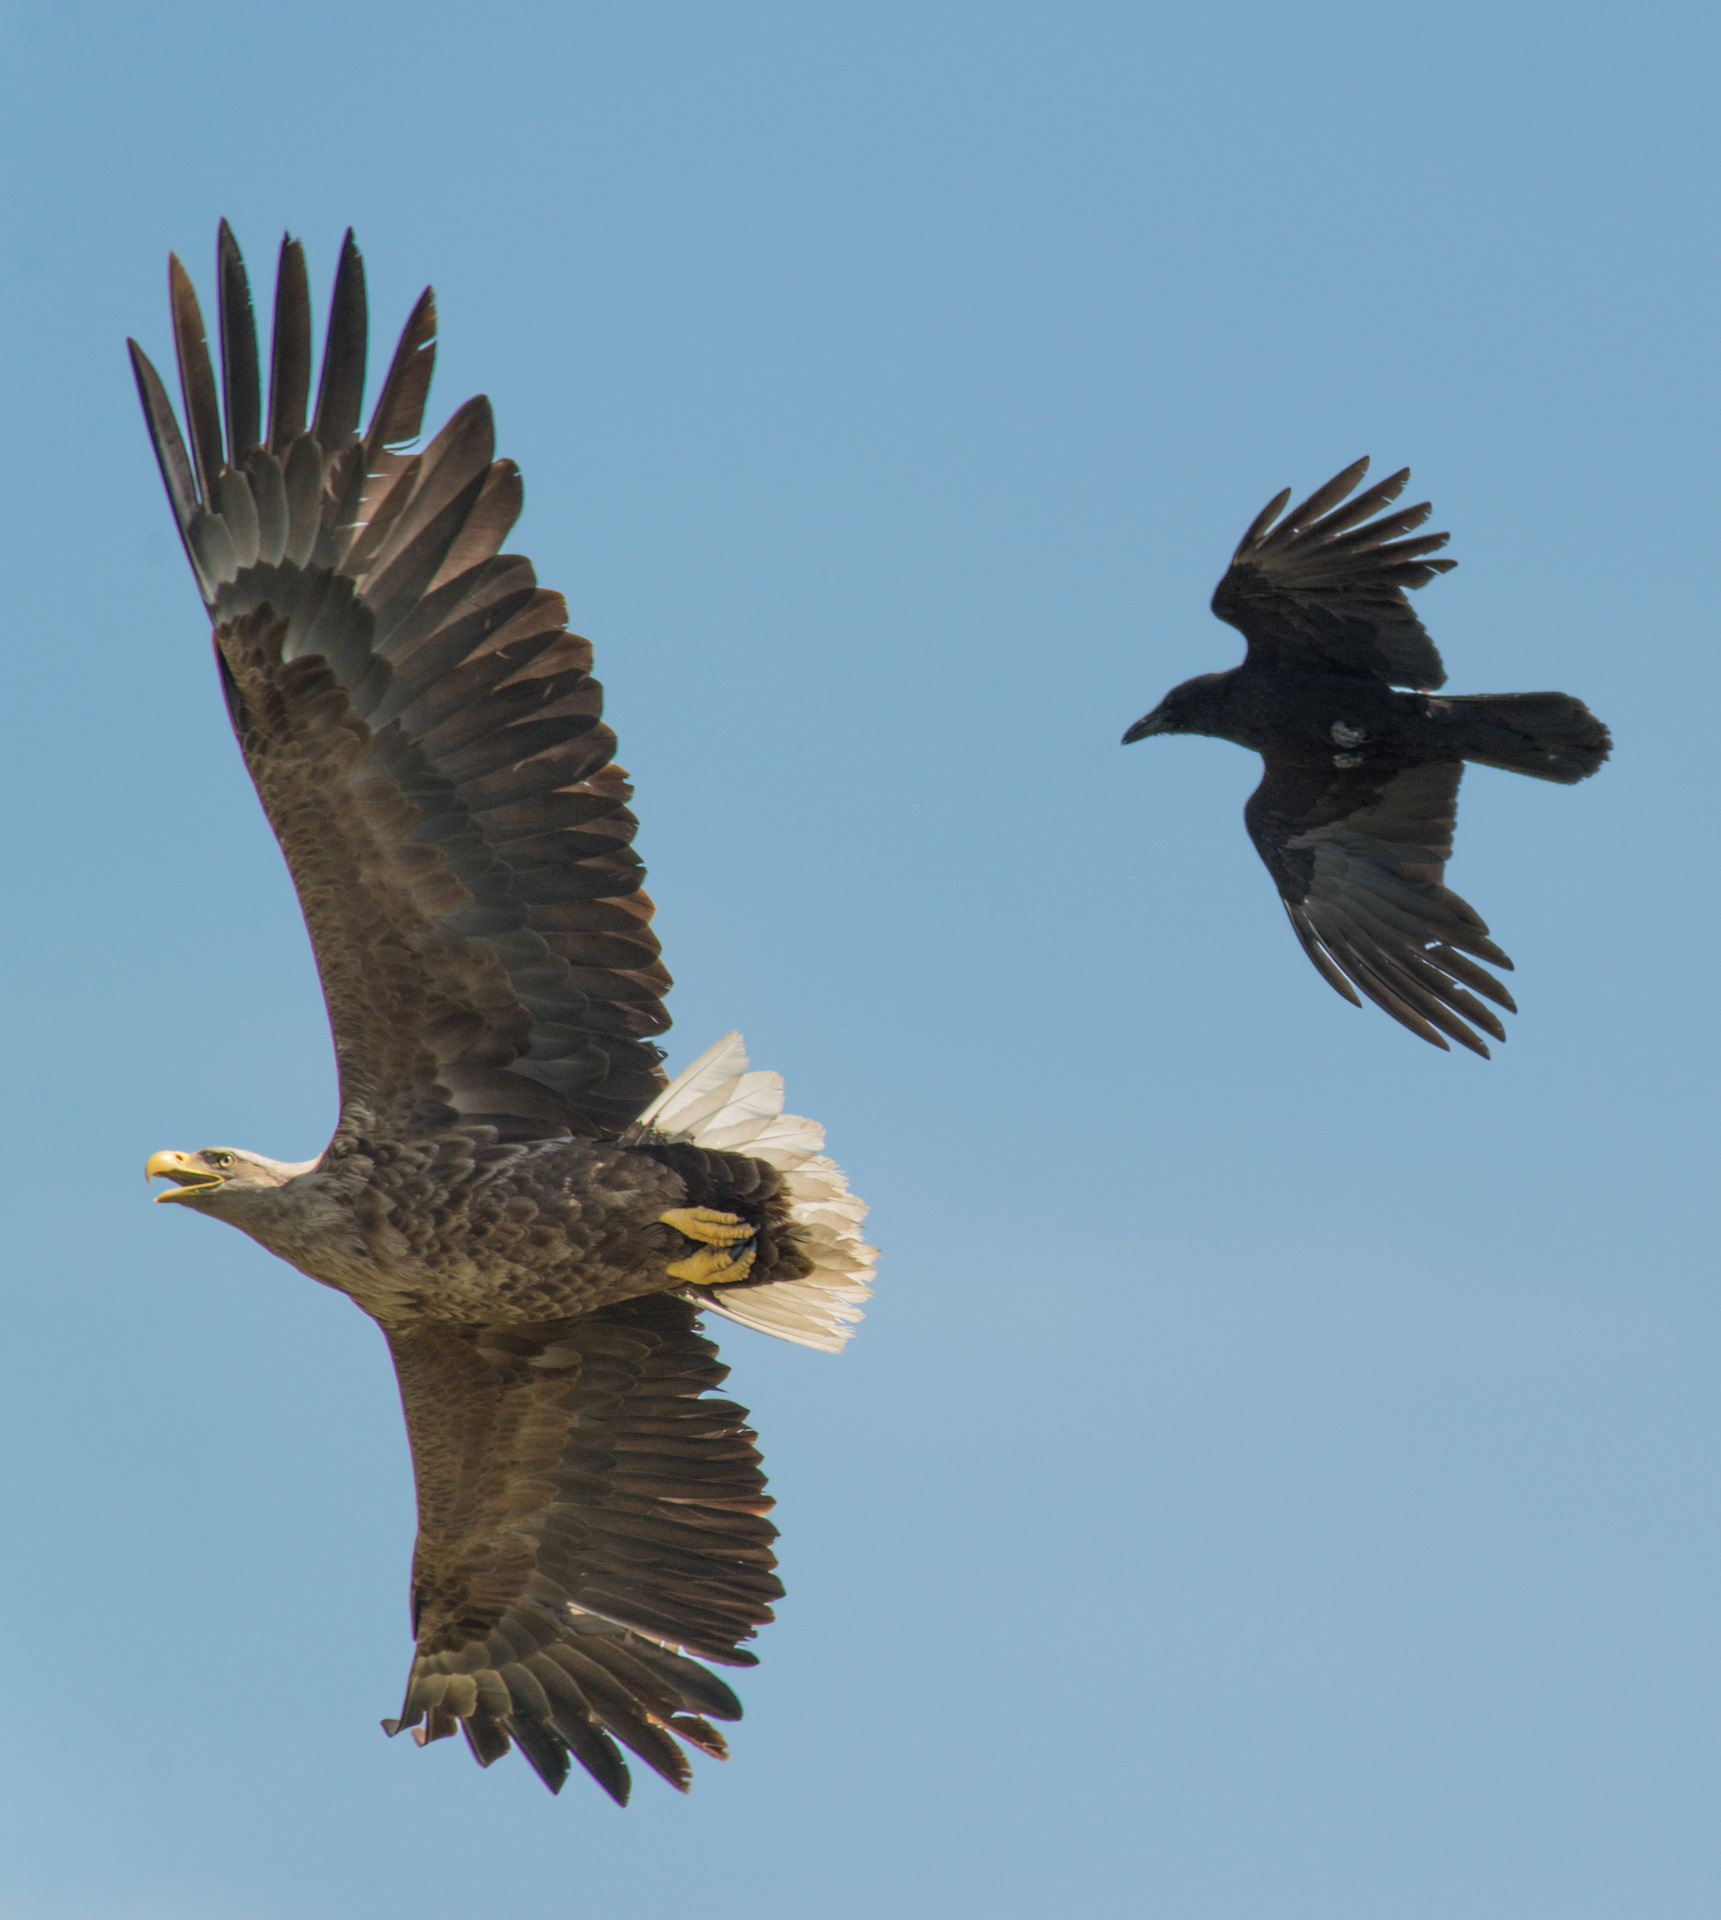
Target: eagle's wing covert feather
[(423, 730), (1358, 862), (588, 1516), (1317, 581)]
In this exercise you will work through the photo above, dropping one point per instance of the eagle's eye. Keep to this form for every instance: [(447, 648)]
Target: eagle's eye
[(219, 1159)]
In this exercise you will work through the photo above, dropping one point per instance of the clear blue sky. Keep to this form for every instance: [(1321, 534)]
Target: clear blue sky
[(1279, 1479)]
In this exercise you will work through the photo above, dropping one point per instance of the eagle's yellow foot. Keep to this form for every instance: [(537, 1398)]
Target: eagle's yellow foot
[(717, 1263), (705, 1223), (713, 1267)]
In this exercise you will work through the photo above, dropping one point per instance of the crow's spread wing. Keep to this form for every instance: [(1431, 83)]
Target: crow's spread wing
[(1358, 859), (423, 730), (585, 1514), (1320, 585)]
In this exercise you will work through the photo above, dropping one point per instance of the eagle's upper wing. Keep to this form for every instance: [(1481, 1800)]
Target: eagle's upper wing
[(1319, 582), (585, 1512), (1358, 860), (422, 728)]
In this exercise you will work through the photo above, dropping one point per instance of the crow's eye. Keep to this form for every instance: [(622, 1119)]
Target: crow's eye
[(219, 1159)]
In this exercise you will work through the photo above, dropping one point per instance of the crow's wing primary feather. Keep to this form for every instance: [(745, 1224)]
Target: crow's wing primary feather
[(587, 1516), (1358, 861), (423, 730), (1326, 582)]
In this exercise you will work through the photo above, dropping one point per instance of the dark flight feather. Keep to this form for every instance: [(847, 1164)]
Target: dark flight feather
[(196, 380), (340, 392), (399, 411), (171, 455), (241, 385), (290, 351)]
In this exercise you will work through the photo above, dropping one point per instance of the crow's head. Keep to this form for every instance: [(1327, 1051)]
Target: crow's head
[(1190, 708)]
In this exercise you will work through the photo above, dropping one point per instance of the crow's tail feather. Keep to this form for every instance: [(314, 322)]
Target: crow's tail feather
[(1550, 736)]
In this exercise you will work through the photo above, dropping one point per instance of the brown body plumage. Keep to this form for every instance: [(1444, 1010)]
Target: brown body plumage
[(533, 1218)]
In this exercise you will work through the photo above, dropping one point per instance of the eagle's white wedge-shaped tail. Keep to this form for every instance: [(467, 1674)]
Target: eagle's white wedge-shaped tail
[(717, 1103)]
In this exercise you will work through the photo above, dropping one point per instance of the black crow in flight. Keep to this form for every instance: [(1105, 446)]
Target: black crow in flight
[(1354, 813)]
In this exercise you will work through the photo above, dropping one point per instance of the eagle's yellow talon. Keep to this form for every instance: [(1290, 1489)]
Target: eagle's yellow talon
[(713, 1267), (705, 1223)]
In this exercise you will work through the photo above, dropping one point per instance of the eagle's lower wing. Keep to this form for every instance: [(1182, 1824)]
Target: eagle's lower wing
[(1319, 585), (1358, 858), (585, 1514), (423, 730)]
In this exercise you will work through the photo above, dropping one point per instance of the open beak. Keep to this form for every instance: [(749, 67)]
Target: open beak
[(188, 1177), (1148, 723)]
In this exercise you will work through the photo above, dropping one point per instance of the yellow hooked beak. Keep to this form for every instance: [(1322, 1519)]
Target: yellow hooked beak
[(189, 1175)]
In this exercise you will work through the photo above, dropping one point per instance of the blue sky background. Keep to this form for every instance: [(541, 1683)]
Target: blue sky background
[(1280, 1477)]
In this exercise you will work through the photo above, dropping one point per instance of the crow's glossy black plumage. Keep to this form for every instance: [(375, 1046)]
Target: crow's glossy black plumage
[(1354, 814)]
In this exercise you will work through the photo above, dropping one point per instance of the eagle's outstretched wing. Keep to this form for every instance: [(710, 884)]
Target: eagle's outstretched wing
[(1358, 861), (1320, 584), (587, 1517), (423, 730)]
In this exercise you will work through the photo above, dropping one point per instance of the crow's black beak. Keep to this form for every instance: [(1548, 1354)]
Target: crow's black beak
[(1148, 723)]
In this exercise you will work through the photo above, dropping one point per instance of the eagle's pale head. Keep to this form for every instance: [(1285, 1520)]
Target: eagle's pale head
[(221, 1180)]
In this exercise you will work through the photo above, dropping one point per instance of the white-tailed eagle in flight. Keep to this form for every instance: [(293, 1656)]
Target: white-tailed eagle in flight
[(534, 1219)]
